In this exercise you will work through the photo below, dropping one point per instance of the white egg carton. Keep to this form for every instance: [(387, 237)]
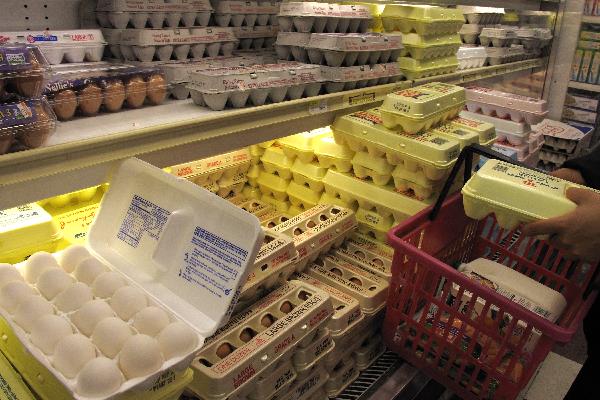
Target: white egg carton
[(275, 161), (538, 19), (307, 388), (358, 256), (341, 376), (249, 13), (121, 13), (332, 155), (322, 17), (471, 57), (482, 15), (256, 37), (306, 357), (257, 338), (317, 230), (498, 37), (502, 125), (503, 55), (217, 169), (563, 137), (469, 33), (506, 105), (73, 46), (217, 87), (534, 38), (274, 186), (309, 175), (368, 352), (301, 147), (357, 77)]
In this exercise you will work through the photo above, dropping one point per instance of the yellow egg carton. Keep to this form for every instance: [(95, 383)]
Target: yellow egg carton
[(305, 358), (212, 169), (253, 174), (415, 182), (327, 199), (368, 352), (309, 175), (75, 220), (252, 342), (211, 187), (358, 256), (515, 194), (344, 373), (255, 207), (366, 166), (71, 199), (418, 69), (428, 47), (464, 137), (429, 152), (280, 205), (255, 152), (275, 382), (307, 388), (250, 192), (295, 210), (233, 186), (485, 130), (373, 223), (369, 289), (13, 386), (333, 155), (301, 145), (424, 20), (317, 230), (301, 196), (228, 180), (274, 186), (275, 161)]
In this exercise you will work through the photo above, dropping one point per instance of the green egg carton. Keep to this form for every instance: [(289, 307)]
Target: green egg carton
[(417, 69), (429, 47), (421, 19)]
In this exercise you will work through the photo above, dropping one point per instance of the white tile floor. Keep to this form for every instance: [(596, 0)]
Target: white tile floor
[(553, 380)]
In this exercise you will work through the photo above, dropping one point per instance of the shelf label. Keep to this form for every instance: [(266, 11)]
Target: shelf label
[(361, 98), (317, 107)]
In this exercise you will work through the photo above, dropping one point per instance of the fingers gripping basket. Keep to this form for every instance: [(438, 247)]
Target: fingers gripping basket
[(493, 353)]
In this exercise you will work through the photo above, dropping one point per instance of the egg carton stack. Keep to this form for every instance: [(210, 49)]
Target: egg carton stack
[(477, 18), (26, 118), (429, 35), (534, 40), (512, 115), (561, 143), (501, 45), (254, 23)]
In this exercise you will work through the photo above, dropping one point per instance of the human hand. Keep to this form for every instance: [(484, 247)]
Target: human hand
[(577, 232), (568, 174)]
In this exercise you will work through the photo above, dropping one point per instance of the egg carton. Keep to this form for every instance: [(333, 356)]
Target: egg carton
[(272, 327), (471, 57), (282, 206), (228, 180), (234, 189), (529, 111), (357, 256), (357, 77), (214, 89), (503, 55), (423, 20), (307, 388), (344, 349), (422, 107), (267, 219), (292, 46), (275, 219), (249, 13), (309, 175), (251, 193), (537, 19), (429, 152), (73, 46), (305, 358), (255, 153), (472, 122), (332, 155), (522, 150), (368, 352), (373, 223), (346, 309), (469, 33), (482, 15), (25, 124), (377, 168), (24, 72), (275, 161), (321, 17), (221, 168), (301, 145), (275, 382), (255, 207), (534, 38), (123, 13), (498, 37), (253, 173), (562, 137), (508, 127), (554, 157), (274, 186), (463, 135), (383, 199), (515, 139), (344, 373), (373, 251), (256, 37), (301, 196), (317, 230), (297, 210), (429, 47), (417, 69)]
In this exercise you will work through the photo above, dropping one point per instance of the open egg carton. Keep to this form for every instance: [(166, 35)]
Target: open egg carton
[(25, 124), (349, 78), (534, 38), (417, 69), (256, 37), (471, 57), (420, 19), (139, 14), (253, 342), (317, 230), (323, 17), (482, 15), (24, 72), (503, 55), (506, 105), (245, 13), (221, 168), (72, 46), (275, 82), (498, 37)]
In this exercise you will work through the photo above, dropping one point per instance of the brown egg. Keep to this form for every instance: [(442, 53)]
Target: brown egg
[(157, 89), (356, 281), (311, 224), (224, 350), (65, 104), (90, 99), (247, 334), (298, 231), (37, 134), (136, 92), (336, 271), (286, 307), (304, 295), (114, 95), (30, 83), (378, 262), (267, 320)]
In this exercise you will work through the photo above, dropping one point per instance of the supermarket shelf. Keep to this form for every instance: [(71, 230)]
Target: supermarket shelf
[(584, 86), (85, 150), (591, 19)]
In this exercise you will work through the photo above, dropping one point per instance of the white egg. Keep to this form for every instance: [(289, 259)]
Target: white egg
[(88, 270), (88, 316), (177, 340), (73, 297), (8, 274), (110, 334), (151, 320), (48, 330), (13, 293), (99, 377), (127, 301), (38, 263), (107, 283), (72, 353), (32, 308), (140, 356), (53, 281), (72, 256)]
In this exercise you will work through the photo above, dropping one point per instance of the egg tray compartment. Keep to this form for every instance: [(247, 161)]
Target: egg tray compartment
[(247, 13), (180, 52), (154, 19), (301, 146), (358, 77), (309, 175), (255, 207), (368, 352), (270, 333), (332, 155), (554, 157), (240, 20), (25, 75), (276, 161), (25, 125), (306, 357), (319, 17), (359, 256), (482, 15), (307, 388)]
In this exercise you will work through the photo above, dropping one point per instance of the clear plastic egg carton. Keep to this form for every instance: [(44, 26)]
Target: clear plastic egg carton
[(274, 82), (274, 186), (554, 157), (332, 155), (308, 388), (417, 69), (359, 256), (469, 33), (368, 352), (506, 105), (482, 15), (309, 175), (498, 37), (220, 168), (471, 57), (323, 17), (248, 13), (306, 357), (121, 14), (253, 341), (428, 152), (275, 161), (256, 37), (301, 196), (366, 166), (317, 230), (534, 38), (424, 20), (428, 47), (73, 46), (301, 146), (25, 124), (357, 77), (503, 55)]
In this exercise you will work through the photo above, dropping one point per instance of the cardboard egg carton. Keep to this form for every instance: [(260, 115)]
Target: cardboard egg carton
[(357, 255), (482, 15), (368, 352), (503, 55), (276, 381), (469, 33), (306, 388), (341, 376), (498, 37), (170, 14), (249, 13), (562, 137), (275, 161), (256, 37), (423, 20), (214, 87), (534, 38), (301, 146), (317, 230), (345, 347), (291, 46), (307, 357), (217, 169), (282, 206), (506, 105), (255, 207), (377, 168), (275, 219), (332, 155), (357, 77), (254, 340), (322, 17), (309, 175), (301, 196), (471, 57)]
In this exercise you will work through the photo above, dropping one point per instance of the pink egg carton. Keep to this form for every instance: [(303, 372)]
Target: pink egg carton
[(503, 55), (249, 13), (349, 78), (256, 37), (515, 133), (72, 46), (322, 17), (308, 388), (217, 87), (154, 13), (506, 105), (498, 37)]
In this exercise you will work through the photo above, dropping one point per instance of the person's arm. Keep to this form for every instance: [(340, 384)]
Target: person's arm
[(587, 166)]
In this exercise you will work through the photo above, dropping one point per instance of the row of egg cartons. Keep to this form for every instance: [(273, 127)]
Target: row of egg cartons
[(96, 333), (477, 18), (561, 142), (317, 17)]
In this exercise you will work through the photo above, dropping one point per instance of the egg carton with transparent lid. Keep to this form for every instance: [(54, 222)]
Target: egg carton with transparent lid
[(138, 14), (368, 352), (273, 185), (256, 37), (341, 376), (126, 286), (275, 161), (301, 196), (212, 169), (429, 152), (309, 175), (537, 19), (506, 105), (366, 166), (469, 33), (249, 13), (307, 357), (255, 339), (482, 15), (350, 78), (471, 57), (417, 69), (424, 20), (428, 47), (73, 46), (282, 206), (503, 55), (357, 255), (23, 72), (332, 155), (307, 388), (301, 145), (25, 124), (323, 17), (498, 37)]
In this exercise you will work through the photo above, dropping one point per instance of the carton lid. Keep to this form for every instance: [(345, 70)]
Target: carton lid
[(187, 248)]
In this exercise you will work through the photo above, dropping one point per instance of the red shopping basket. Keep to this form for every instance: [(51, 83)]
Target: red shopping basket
[(471, 339)]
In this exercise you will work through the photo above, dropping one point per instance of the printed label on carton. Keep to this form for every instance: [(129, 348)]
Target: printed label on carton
[(143, 219), (27, 214)]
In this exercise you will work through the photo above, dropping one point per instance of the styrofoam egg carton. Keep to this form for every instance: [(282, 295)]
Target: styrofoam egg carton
[(301, 145), (337, 49), (307, 388), (497, 37), (482, 15), (471, 122), (417, 69), (374, 224), (516, 139), (273, 185), (306, 357), (564, 137), (253, 174), (357, 255), (256, 37), (212, 169), (72, 46), (424, 20), (275, 161), (534, 38), (322, 17), (415, 182), (357, 77), (309, 175), (368, 352), (249, 13), (428, 47), (469, 33), (282, 206), (503, 55), (505, 105), (301, 196), (471, 57), (378, 169), (332, 155), (317, 230)]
